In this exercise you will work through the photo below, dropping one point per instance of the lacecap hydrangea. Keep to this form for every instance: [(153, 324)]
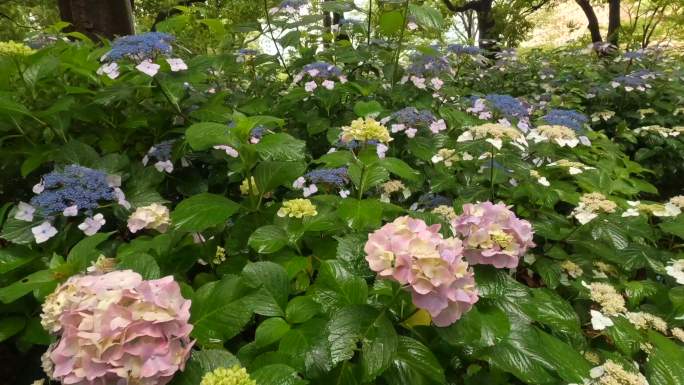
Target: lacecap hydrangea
[(492, 234), (116, 328), (414, 254)]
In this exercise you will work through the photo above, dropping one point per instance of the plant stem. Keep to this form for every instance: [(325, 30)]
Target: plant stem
[(275, 43), (399, 43), (491, 175), (169, 99)]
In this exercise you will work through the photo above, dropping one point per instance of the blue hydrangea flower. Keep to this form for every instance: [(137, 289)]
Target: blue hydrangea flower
[(324, 70), (247, 52), (413, 117), (461, 49), (568, 118), (161, 151), (293, 4), (636, 80), (332, 176), (354, 144), (75, 185), (432, 200), (429, 66), (507, 106), (634, 55), (140, 47)]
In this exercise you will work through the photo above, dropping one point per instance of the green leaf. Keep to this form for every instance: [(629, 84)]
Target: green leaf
[(427, 17), (24, 286), (16, 231), (550, 309), (10, 326), (10, 108), (301, 309), (347, 328), (360, 214), (276, 374), (281, 147), (142, 263), (566, 361), (414, 362), (664, 365), (202, 362), (379, 347), (13, 257), (269, 175), (272, 286), (85, 251), (624, 335), (270, 331), (674, 227), (202, 211), (268, 239), (401, 169), (336, 287), (391, 22), (218, 312), (202, 136), (371, 108)]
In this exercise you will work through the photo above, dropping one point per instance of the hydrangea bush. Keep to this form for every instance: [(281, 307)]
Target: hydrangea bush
[(195, 211)]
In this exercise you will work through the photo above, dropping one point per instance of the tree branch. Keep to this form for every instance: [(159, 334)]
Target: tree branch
[(471, 5)]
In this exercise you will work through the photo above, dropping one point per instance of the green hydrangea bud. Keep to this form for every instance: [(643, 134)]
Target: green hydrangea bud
[(11, 48), (228, 376)]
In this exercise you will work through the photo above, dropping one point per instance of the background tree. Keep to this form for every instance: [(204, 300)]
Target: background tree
[(613, 34)]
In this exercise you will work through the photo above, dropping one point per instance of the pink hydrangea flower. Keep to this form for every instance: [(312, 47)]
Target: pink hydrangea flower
[(117, 328), (492, 234), (414, 254)]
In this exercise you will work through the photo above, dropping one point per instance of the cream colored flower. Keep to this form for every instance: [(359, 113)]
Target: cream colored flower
[(573, 269), (226, 376), (573, 168), (364, 130), (603, 115), (445, 155), (245, 187), (591, 205), (677, 201), (154, 216), (298, 208), (494, 133), (676, 270), (446, 212), (645, 321), (561, 135), (12, 48), (614, 374), (678, 333), (219, 256), (605, 295)]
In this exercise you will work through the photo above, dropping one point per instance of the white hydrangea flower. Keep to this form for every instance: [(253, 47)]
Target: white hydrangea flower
[(109, 69), (43, 232), (24, 212), (92, 225), (70, 211), (676, 270), (164, 166), (599, 321), (148, 68), (230, 151), (177, 64)]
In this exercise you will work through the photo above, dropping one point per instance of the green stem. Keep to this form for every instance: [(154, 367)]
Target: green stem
[(169, 99), (275, 43), (491, 175), (401, 40)]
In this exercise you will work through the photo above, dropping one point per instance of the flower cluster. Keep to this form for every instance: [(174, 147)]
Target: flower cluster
[(141, 49), (494, 134), (611, 373), (228, 376), (410, 119), (446, 212), (591, 205), (427, 70), (329, 177), (154, 216), (414, 254), (392, 187), (645, 321), (602, 115), (448, 156), (249, 186), (297, 208), (676, 270), (561, 135), (292, 6), (12, 48), (504, 107), (160, 153), (668, 209), (611, 302), (72, 189), (568, 118), (320, 72), (430, 201), (638, 80), (117, 328), (492, 234), (364, 130), (460, 49), (571, 268), (659, 130), (573, 168)]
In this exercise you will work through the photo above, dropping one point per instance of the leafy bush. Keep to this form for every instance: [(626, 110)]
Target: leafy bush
[(338, 219)]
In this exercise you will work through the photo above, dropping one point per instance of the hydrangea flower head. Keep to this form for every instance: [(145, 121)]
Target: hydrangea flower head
[(429, 66), (365, 130), (141, 47), (460, 49), (297, 208), (412, 253), (567, 118), (492, 234), (332, 176), (493, 133), (228, 376), (154, 216), (637, 80), (611, 302), (160, 152), (560, 135), (117, 328), (12, 48), (75, 185), (320, 73), (591, 205), (507, 106)]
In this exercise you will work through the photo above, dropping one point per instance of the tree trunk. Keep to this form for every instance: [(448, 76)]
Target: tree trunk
[(592, 19), (485, 23), (99, 18), (613, 36)]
